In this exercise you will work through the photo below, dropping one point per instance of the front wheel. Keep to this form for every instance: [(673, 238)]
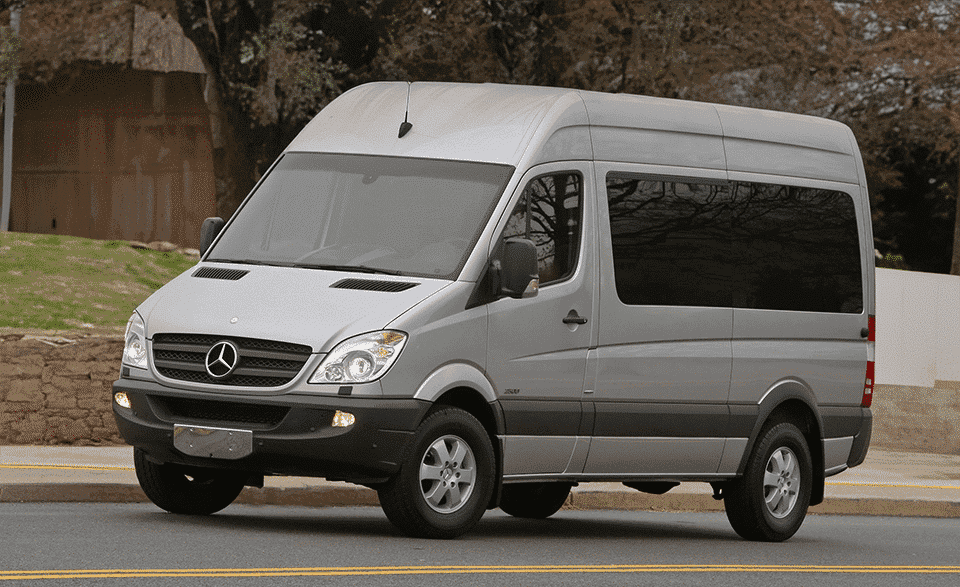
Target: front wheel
[(445, 480), (186, 490), (771, 499)]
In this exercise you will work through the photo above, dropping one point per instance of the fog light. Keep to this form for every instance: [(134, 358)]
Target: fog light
[(121, 399), (343, 419)]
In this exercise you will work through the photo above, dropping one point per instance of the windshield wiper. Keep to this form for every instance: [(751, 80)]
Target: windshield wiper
[(253, 262), (356, 268)]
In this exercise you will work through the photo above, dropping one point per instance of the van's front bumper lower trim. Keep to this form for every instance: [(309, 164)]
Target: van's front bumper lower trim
[(301, 440)]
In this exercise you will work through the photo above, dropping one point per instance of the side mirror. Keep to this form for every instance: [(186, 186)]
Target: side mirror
[(209, 230), (519, 275)]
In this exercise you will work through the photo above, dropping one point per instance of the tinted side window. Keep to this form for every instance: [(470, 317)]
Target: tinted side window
[(760, 246), (548, 213), (670, 242), (797, 249)]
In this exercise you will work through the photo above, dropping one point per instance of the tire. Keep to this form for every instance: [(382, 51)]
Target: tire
[(186, 490), (533, 500), (770, 501), (445, 479)]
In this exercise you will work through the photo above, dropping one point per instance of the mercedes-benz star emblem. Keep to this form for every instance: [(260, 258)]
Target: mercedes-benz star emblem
[(222, 359)]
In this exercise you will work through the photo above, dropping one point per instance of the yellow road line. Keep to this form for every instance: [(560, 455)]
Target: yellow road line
[(448, 570), (65, 467), (893, 485)]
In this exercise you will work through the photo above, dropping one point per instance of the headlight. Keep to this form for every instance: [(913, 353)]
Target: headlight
[(360, 359), (135, 343)]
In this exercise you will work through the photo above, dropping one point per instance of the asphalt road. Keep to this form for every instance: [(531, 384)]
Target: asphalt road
[(89, 544)]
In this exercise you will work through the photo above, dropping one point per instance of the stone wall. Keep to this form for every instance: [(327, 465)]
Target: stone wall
[(57, 389), (917, 419)]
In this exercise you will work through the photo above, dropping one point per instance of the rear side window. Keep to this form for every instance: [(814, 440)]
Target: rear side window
[(670, 243), (548, 213), (763, 246)]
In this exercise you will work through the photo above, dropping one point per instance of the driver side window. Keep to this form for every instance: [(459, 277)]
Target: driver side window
[(549, 214)]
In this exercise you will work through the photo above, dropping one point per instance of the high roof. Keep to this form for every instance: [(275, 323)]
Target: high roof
[(525, 125)]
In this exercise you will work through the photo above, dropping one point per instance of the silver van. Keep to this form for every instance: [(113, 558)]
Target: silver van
[(470, 296)]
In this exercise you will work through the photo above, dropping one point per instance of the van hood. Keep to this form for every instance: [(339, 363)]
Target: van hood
[(304, 306)]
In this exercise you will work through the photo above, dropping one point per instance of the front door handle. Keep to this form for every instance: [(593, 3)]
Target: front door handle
[(574, 318)]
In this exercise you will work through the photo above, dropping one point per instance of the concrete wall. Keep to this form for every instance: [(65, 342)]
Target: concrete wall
[(916, 401), (918, 328)]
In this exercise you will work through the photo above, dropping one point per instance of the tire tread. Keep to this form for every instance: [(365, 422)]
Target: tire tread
[(168, 488), (743, 498), (400, 497)]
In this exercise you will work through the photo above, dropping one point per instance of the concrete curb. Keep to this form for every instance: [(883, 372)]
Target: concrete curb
[(688, 502), (361, 496), (123, 493)]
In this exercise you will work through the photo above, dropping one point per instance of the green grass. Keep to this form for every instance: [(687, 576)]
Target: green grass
[(54, 282)]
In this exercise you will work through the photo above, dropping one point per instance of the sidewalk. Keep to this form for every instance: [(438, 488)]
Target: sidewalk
[(888, 483)]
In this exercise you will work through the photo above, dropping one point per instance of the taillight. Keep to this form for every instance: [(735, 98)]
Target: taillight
[(868, 379), (867, 387)]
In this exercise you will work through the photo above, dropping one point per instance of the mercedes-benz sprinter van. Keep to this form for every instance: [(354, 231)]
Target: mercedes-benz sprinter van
[(477, 296)]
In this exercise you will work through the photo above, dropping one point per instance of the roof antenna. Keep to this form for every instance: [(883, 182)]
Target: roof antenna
[(405, 126)]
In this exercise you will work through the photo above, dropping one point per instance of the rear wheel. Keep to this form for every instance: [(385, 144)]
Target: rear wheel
[(186, 490), (534, 500), (771, 499), (445, 481)]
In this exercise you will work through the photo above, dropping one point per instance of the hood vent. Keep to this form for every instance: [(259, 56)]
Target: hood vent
[(374, 285), (218, 273)]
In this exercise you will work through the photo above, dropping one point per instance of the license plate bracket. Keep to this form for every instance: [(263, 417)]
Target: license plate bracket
[(212, 442)]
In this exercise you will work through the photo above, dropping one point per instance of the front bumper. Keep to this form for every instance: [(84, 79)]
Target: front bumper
[(292, 434)]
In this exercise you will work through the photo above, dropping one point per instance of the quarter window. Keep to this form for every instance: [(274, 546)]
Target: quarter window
[(796, 249)]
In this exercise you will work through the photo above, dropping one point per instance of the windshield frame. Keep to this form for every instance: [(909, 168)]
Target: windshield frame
[(502, 179)]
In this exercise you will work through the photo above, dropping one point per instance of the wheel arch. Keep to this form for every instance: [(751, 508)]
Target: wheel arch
[(491, 418), (464, 386), (792, 401)]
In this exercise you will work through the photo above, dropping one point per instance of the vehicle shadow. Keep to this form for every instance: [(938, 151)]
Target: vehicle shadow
[(370, 521)]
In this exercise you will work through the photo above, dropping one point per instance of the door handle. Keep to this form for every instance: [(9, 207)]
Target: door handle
[(574, 318)]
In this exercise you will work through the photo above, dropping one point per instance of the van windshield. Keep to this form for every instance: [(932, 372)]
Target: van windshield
[(376, 214)]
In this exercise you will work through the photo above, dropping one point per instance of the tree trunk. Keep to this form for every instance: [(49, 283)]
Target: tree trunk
[(233, 167), (955, 264)]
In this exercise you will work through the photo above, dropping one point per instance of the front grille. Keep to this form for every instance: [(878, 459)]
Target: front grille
[(262, 363), (178, 409)]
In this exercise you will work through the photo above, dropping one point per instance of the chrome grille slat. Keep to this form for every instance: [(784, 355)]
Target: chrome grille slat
[(272, 355), (188, 366), (254, 372), (184, 348)]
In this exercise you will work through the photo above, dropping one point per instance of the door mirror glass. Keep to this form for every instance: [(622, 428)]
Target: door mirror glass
[(519, 277)]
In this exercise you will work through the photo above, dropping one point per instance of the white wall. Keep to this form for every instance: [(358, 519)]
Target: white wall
[(918, 328)]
